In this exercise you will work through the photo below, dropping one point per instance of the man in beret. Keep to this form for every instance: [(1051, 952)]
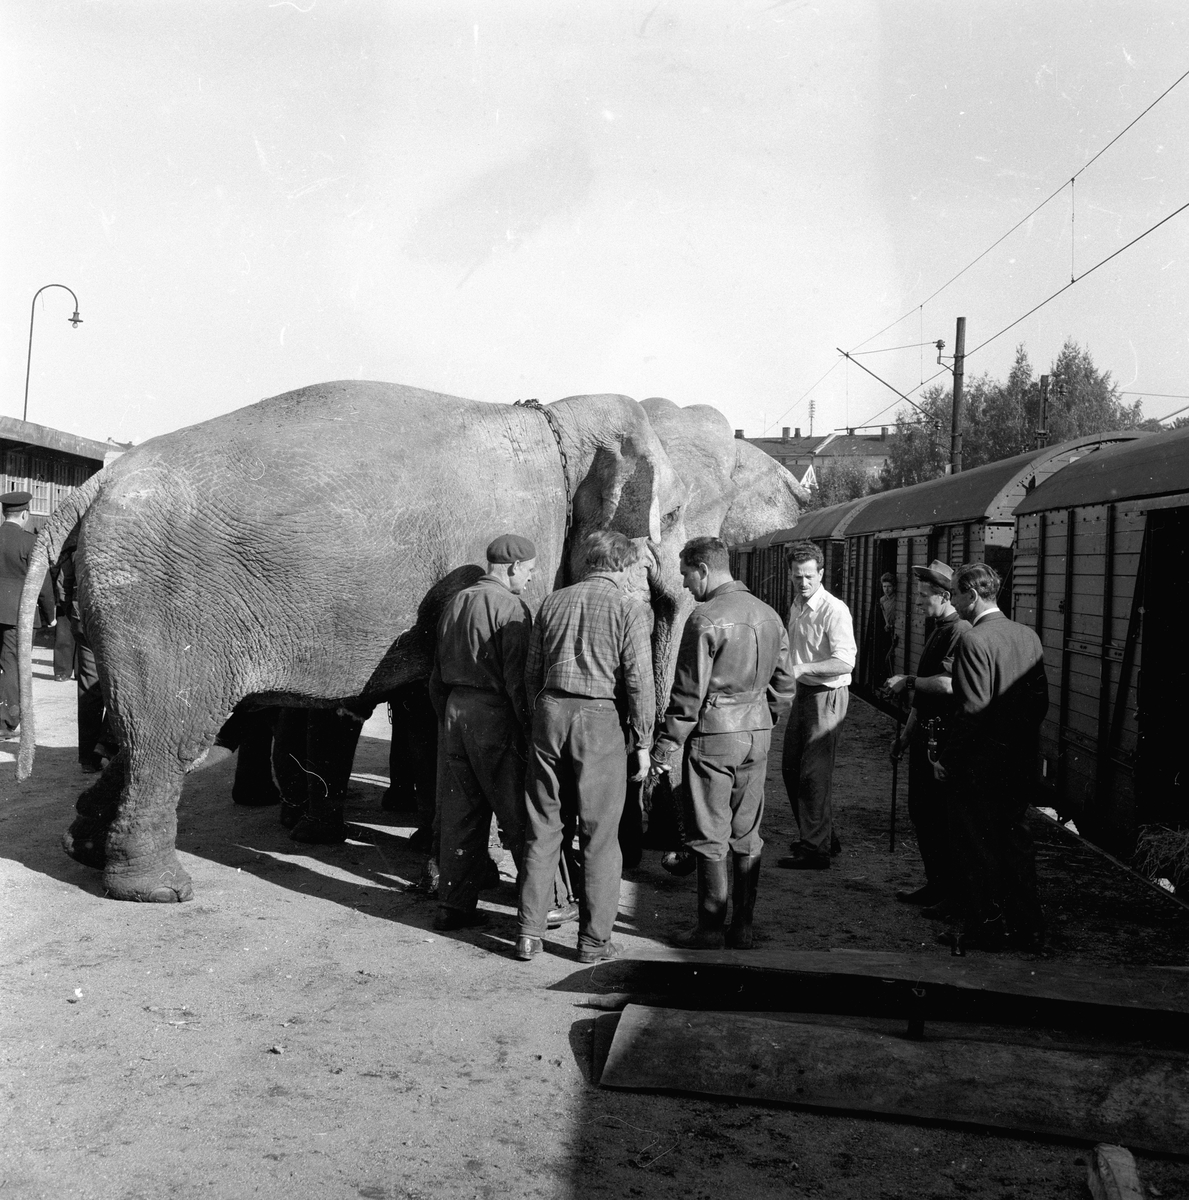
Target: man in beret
[(477, 689), (16, 545), (930, 720)]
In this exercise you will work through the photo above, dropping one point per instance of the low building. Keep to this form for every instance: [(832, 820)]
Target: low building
[(47, 463), (869, 451)]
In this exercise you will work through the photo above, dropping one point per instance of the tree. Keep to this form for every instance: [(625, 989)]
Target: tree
[(1001, 420), (841, 479)]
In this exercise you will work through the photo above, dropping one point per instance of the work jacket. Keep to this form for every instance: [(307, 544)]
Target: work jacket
[(733, 669)]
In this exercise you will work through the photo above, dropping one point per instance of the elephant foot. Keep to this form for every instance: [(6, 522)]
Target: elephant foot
[(246, 798), (86, 842), (170, 885), (291, 813), (321, 831)]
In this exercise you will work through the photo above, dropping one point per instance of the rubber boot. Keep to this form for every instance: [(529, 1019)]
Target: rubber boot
[(747, 881), (713, 886)]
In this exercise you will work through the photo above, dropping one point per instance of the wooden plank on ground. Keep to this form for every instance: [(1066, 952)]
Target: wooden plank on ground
[(1137, 1099), (979, 986)]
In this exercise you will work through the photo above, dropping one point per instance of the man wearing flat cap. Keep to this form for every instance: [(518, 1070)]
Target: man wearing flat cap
[(930, 720), (16, 545), (477, 689)]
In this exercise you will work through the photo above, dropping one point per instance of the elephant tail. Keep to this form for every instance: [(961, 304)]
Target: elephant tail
[(46, 549)]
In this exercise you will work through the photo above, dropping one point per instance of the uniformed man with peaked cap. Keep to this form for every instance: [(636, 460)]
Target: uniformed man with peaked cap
[(931, 720), (16, 545), (477, 688)]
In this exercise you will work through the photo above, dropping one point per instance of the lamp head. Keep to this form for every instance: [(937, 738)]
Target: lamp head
[(76, 320)]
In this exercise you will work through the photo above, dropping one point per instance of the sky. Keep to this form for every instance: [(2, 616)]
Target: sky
[(685, 198)]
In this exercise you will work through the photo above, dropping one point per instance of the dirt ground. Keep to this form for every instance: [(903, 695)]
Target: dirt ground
[(300, 1029)]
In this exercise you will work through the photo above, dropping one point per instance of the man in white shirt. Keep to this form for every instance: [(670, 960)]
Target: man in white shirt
[(822, 647)]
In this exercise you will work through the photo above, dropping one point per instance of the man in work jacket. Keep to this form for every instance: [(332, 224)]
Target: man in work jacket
[(989, 766), (930, 721), (733, 680), (477, 689)]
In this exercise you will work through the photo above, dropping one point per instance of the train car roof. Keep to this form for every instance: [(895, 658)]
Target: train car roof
[(987, 493), (820, 523), (1157, 465)]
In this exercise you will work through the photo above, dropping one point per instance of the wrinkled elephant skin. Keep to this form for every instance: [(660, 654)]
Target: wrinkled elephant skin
[(300, 550)]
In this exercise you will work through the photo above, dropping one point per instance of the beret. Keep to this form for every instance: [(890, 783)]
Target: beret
[(510, 548), (15, 499), (937, 573)]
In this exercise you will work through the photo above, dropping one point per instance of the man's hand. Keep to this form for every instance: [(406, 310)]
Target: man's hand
[(896, 684), (641, 771), (897, 750), (939, 772)]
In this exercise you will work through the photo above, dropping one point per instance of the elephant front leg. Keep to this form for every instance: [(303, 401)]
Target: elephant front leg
[(140, 859)]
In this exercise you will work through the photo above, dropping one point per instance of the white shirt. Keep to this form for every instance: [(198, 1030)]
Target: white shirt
[(821, 628)]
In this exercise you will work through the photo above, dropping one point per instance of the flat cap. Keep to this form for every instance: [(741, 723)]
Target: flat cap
[(15, 499), (937, 573), (510, 548)]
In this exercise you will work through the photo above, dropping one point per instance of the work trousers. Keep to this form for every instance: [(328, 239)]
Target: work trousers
[(928, 809), (725, 775), (483, 772), (995, 857), (810, 744), (10, 682), (577, 772)]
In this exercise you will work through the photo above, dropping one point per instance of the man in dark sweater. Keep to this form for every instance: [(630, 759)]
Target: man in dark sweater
[(930, 719), (733, 680), (989, 767), (477, 689)]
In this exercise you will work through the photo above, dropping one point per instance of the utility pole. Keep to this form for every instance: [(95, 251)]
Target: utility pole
[(812, 408), (956, 421), (1042, 434)]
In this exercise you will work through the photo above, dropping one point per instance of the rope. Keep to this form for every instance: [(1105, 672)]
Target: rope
[(565, 462)]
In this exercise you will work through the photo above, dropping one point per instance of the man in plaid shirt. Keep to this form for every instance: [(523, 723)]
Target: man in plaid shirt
[(589, 656)]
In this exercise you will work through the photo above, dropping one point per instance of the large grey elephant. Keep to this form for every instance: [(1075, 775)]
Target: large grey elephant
[(299, 551)]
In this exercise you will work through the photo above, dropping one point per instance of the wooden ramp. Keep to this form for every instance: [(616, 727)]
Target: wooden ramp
[(987, 988), (1139, 1099)]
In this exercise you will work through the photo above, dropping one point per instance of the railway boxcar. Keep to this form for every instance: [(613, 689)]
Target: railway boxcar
[(957, 518), (1101, 569)]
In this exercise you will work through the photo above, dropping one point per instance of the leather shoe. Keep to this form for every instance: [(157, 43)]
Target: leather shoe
[(804, 862), (557, 917), (454, 918), (922, 895), (527, 947), (597, 954)]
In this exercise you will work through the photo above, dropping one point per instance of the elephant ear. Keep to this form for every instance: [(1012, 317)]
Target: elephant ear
[(766, 498), (631, 485)]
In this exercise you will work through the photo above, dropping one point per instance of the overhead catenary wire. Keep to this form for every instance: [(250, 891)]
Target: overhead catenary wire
[(1038, 307), (1027, 216), (801, 397)]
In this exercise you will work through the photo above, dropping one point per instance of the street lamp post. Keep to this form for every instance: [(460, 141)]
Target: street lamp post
[(74, 320)]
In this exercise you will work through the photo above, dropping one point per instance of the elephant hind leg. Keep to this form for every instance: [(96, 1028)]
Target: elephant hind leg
[(139, 858)]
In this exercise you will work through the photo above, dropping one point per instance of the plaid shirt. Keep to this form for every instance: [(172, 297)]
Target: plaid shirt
[(593, 640)]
